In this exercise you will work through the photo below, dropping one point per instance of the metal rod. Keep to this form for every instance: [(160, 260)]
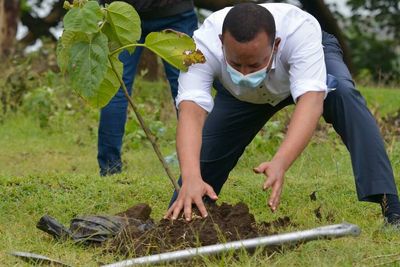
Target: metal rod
[(37, 259), (329, 231)]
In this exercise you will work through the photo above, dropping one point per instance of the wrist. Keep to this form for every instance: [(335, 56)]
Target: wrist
[(190, 176)]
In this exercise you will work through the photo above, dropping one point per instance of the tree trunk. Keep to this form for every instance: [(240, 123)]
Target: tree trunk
[(40, 27), (9, 14)]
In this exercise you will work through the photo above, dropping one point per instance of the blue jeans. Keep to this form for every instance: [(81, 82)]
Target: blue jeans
[(113, 116)]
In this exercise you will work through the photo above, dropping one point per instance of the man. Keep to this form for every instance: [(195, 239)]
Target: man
[(155, 15), (264, 58)]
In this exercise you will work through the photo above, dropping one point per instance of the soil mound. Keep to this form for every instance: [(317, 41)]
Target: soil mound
[(224, 223)]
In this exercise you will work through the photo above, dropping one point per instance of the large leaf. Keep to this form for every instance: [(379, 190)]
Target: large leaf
[(64, 44), (88, 64), (83, 19), (176, 48), (113, 42), (123, 24), (108, 87)]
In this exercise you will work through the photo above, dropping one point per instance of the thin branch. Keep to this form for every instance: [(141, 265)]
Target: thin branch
[(125, 47), (145, 129)]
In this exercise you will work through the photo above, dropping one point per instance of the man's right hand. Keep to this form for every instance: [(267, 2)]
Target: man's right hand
[(189, 194), (188, 145)]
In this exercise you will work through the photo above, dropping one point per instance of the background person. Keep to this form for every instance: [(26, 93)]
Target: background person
[(178, 15)]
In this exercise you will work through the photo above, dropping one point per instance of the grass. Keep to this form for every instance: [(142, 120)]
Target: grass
[(384, 100), (53, 170)]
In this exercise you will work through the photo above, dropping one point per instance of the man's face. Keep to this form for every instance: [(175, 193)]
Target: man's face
[(250, 56)]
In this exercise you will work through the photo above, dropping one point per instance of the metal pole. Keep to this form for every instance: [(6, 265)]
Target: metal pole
[(329, 231)]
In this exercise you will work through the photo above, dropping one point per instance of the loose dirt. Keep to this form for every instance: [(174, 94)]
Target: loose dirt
[(224, 223)]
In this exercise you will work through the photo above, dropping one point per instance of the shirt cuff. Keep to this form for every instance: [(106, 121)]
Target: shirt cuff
[(202, 99), (301, 87)]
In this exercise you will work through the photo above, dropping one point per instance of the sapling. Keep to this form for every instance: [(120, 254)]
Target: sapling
[(88, 50)]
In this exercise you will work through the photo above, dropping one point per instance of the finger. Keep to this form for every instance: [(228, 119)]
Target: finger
[(169, 211), (261, 168), (211, 193), (268, 183), (275, 197), (188, 210), (200, 205), (256, 170), (176, 210)]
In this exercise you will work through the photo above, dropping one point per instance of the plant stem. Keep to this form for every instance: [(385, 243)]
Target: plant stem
[(125, 47), (147, 131)]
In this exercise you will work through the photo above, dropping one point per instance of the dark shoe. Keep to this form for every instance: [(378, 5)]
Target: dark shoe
[(393, 220), (116, 169)]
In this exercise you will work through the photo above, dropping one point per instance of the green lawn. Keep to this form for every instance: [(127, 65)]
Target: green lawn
[(53, 170)]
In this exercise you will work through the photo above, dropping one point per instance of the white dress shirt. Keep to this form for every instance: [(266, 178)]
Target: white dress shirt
[(298, 66)]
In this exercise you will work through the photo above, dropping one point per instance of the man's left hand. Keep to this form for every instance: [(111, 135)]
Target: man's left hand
[(275, 174)]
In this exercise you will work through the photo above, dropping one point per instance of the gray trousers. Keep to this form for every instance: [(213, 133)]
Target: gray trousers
[(233, 124)]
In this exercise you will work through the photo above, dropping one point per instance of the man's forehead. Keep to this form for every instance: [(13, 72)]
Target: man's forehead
[(261, 36)]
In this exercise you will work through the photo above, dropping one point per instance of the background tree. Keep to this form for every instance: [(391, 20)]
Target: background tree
[(369, 37), (373, 33), (9, 14), (39, 27)]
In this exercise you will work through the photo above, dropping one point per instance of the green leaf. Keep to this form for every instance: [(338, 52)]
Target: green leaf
[(64, 44), (113, 42), (123, 24), (62, 56), (85, 19), (108, 87), (174, 47), (88, 64)]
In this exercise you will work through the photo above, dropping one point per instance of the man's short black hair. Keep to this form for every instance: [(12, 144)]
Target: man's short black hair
[(244, 21)]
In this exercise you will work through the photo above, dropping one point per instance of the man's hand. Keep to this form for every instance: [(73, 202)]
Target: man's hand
[(189, 194), (188, 144), (301, 128), (275, 174)]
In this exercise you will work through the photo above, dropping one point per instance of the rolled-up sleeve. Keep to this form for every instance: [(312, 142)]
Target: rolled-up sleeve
[(307, 64), (195, 84)]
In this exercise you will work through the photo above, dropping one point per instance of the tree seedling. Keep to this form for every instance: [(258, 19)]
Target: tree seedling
[(88, 50)]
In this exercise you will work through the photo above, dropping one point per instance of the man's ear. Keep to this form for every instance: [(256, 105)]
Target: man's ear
[(277, 42), (221, 38)]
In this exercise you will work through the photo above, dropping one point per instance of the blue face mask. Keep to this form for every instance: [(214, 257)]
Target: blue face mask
[(251, 80)]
